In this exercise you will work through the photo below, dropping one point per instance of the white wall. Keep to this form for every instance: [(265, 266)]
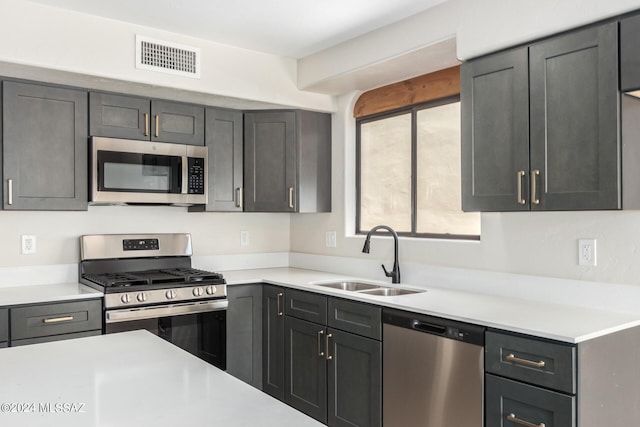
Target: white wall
[(540, 243), (57, 233), (42, 36)]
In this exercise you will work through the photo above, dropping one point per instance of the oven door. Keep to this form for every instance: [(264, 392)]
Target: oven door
[(199, 328)]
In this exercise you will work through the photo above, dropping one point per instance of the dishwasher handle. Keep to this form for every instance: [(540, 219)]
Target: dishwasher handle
[(429, 328)]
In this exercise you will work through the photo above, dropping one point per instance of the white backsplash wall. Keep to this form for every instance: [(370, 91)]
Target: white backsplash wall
[(538, 243), (57, 233)]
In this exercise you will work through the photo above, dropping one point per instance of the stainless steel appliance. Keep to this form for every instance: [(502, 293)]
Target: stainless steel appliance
[(432, 371), (149, 284), (129, 171)]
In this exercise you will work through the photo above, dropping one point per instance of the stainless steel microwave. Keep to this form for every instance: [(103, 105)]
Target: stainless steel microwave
[(127, 171)]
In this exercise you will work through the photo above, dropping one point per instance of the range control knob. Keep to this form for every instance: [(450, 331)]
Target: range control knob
[(170, 294), (211, 290), (197, 292), (142, 297), (126, 298)]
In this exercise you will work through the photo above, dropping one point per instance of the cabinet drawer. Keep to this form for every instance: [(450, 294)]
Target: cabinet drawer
[(551, 365), (51, 338), (306, 306), (510, 403), (355, 317), (4, 325), (3, 345), (55, 319)]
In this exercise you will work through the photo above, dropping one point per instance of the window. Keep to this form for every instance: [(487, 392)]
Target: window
[(408, 172)]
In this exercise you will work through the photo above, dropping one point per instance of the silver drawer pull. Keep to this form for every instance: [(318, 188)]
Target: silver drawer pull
[(57, 319), (512, 417), (514, 359)]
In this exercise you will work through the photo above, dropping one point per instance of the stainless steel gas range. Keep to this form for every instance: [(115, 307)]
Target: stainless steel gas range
[(149, 284)]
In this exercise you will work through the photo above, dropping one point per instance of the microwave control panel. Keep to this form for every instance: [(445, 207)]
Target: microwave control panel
[(196, 175)]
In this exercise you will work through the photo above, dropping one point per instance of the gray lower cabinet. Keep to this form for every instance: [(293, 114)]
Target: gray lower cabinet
[(333, 375), (287, 161), (540, 125), (533, 381), (244, 332), (130, 117), (224, 143), (55, 321), (273, 358), (44, 147), (4, 327)]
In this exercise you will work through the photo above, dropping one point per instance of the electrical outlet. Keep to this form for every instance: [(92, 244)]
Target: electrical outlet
[(244, 238), (587, 252), (330, 239), (28, 245)]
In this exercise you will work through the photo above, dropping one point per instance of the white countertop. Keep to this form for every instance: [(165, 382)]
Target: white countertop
[(561, 322), (33, 294), (129, 379)]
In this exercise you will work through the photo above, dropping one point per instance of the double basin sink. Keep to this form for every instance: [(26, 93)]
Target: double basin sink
[(368, 288)]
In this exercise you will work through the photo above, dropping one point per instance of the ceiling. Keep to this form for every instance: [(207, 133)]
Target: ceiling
[(290, 28)]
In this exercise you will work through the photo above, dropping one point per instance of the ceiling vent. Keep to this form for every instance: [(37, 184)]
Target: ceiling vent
[(167, 57)]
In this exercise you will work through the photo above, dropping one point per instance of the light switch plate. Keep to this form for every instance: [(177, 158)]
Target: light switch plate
[(330, 239), (244, 238)]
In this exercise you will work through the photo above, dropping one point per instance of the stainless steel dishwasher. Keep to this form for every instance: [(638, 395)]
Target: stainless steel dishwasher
[(432, 371)]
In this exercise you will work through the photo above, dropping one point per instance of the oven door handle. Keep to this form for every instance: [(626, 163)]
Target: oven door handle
[(113, 316)]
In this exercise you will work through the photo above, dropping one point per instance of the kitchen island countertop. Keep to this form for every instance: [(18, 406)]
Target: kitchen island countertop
[(129, 379)]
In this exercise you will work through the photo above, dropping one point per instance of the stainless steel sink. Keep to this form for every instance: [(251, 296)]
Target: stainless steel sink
[(369, 288), (349, 286), (390, 292)]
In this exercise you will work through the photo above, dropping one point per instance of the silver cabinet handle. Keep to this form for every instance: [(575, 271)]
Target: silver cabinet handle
[(291, 197), (239, 197), (10, 191), (320, 352), (57, 319), (534, 176), (512, 358), (146, 124), (280, 295), (157, 125), (513, 418), (519, 176), (326, 345)]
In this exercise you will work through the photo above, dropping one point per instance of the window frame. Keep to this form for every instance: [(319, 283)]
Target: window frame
[(413, 110)]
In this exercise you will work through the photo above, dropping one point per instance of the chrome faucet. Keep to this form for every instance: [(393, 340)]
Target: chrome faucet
[(395, 272)]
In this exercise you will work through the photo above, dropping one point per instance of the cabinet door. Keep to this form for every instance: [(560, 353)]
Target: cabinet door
[(119, 116), (305, 368), (270, 161), (495, 132), (177, 122), (629, 58), (354, 372), (510, 403), (574, 120), (45, 149), (244, 332), (51, 338), (273, 341), (224, 144), (4, 325)]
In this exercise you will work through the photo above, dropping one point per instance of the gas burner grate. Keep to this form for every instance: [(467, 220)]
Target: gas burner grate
[(193, 274), (116, 279)]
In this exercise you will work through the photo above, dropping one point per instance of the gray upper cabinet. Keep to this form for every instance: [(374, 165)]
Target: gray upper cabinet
[(629, 53), (495, 132), (540, 125), (225, 146), (44, 147), (574, 121), (287, 161), (129, 117)]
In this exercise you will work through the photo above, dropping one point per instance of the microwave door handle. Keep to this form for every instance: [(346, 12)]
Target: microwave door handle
[(185, 175)]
